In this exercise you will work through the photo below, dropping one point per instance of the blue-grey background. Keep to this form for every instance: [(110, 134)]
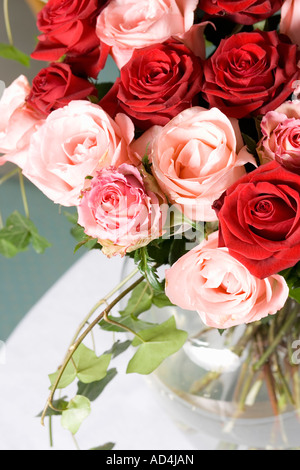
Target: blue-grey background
[(25, 278)]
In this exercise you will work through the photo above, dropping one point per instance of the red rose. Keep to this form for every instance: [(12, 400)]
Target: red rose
[(251, 73), (67, 27), (55, 86), (244, 11), (156, 84), (259, 219)]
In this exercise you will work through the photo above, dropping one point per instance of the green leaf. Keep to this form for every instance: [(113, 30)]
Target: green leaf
[(107, 446), (251, 144), (140, 300), (90, 368), (77, 411), (11, 52), (82, 238), (155, 345), (129, 321), (18, 233), (103, 88), (146, 267), (118, 348), (295, 294), (177, 250), (85, 365), (72, 217), (60, 404), (7, 249), (68, 376), (161, 300), (39, 243), (94, 389), (89, 243)]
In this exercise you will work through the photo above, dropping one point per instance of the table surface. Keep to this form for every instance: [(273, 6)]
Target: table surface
[(127, 413)]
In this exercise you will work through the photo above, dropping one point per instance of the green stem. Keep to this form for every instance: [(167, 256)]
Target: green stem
[(50, 431), (103, 301), (119, 325), (9, 175), (7, 22), (23, 193), (269, 351), (79, 340), (75, 442)]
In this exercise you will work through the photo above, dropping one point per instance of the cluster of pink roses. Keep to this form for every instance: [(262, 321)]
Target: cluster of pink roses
[(183, 112)]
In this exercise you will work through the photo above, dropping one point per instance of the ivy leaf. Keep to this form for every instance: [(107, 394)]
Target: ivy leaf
[(18, 233), (129, 321), (68, 376), (155, 345), (11, 52), (60, 404), (94, 389), (85, 365), (76, 412), (140, 300), (91, 368), (118, 348), (161, 300), (107, 446), (7, 249), (39, 243)]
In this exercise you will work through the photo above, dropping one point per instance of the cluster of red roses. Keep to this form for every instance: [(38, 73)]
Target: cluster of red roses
[(184, 103), (249, 73)]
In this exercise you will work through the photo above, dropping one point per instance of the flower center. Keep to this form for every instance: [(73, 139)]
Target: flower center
[(264, 207)]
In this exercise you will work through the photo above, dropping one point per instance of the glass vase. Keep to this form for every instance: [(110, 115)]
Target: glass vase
[(220, 396), (232, 389)]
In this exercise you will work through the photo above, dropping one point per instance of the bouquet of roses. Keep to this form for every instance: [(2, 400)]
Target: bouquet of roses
[(189, 163)]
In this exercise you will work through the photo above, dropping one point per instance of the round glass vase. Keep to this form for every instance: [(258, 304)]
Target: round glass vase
[(218, 398), (233, 389)]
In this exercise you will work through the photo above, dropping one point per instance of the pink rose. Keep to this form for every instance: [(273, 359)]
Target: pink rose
[(281, 136), (195, 159), (126, 25), (290, 20), (120, 208), (76, 141), (221, 289), (17, 122)]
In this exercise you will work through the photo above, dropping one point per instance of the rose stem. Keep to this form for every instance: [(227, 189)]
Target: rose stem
[(204, 382), (8, 175), (23, 193), (237, 349), (7, 23), (76, 344), (285, 384), (266, 355), (271, 388)]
